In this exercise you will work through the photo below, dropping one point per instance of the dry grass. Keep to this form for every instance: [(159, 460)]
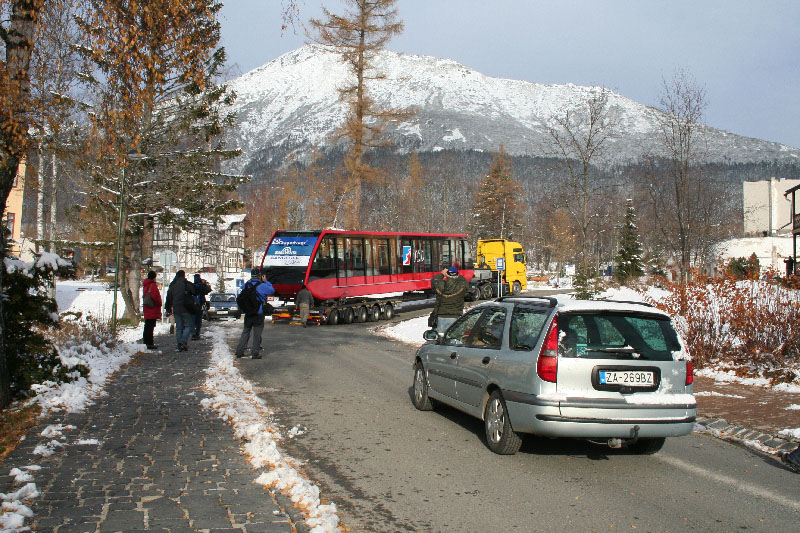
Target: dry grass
[(14, 424)]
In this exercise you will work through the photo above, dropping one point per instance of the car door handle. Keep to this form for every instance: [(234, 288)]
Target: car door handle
[(453, 355), (485, 360)]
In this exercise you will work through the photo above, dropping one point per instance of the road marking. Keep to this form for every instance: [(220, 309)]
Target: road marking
[(746, 487)]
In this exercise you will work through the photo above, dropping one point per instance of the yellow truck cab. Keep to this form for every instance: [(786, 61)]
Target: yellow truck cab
[(515, 273)]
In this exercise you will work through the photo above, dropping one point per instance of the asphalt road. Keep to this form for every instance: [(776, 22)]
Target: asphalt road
[(389, 467)]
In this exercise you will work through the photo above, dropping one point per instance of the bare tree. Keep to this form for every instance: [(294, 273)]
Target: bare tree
[(677, 195), (579, 136), (358, 35)]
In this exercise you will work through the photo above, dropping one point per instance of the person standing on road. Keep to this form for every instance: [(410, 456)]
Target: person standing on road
[(201, 288), (255, 322), (178, 294), (151, 313), (303, 300), (451, 290)]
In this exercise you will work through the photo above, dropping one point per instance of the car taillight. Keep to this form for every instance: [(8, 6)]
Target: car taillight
[(547, 365), (689, 372)]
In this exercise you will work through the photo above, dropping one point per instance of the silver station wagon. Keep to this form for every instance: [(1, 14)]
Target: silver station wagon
[(614, 372)]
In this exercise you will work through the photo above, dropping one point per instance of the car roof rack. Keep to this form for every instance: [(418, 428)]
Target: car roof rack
[(552, 302)]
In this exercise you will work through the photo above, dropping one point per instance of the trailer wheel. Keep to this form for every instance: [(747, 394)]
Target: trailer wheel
[(361, 314), (333, 317), (347, 315), (388, 312), (374, 313)]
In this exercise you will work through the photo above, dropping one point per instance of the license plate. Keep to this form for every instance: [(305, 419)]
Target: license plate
[(628, 378), (222, 311), (272, 298)]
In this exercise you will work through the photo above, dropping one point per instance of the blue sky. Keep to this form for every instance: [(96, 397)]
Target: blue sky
[(746, 53)]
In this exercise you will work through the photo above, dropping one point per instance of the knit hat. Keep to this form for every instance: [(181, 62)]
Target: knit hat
[(452, 271), (180, 274), (255, 273)]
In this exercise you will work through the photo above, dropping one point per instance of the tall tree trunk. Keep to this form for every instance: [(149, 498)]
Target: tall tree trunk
[(40, 236), (53, 204)]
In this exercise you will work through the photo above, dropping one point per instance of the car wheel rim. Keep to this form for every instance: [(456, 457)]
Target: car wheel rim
[(419, 385), (495, 420)]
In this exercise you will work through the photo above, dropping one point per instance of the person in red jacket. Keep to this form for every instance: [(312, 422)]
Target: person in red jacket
[(151, 314)]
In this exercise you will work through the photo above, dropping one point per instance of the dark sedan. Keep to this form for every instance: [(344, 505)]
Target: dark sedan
[(222, 305)]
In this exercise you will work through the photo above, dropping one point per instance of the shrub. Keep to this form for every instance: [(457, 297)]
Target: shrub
[(747, 325)]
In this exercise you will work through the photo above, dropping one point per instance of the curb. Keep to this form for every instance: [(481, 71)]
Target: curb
[(752, 438)]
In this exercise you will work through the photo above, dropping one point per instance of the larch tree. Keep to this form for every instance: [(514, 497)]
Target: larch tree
[(496, 206), (357, 36), (155, 142), (628, 262)]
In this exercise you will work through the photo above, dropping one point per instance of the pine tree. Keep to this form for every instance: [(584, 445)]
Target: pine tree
[(155, 63), (496, 205), (628, 262)]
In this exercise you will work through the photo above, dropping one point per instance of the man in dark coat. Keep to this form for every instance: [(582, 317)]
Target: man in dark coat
[(303, 300), (201, 288), (450, 288), (178, 295), (255, 322)]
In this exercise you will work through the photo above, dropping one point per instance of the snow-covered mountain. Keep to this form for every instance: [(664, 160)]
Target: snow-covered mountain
[(292, 104)]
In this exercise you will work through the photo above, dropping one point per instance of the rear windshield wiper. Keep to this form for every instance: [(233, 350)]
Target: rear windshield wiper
[(624, 350)]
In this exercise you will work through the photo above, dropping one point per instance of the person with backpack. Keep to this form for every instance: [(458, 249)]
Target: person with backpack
[(151, 301), (181, 303), (201, 288), (252, 302)]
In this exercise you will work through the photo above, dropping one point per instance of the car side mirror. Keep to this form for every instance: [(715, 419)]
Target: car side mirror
[(431, 335)]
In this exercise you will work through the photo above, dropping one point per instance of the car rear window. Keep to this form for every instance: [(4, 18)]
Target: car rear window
[(616, 335)]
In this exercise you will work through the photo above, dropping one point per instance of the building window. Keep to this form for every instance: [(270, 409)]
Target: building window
[(10, 218)]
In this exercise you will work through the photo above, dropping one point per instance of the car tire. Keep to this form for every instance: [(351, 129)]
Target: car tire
[(333, 317), (647, 446), (516, 288), (487, 292), (374, 313), (420, 397), (388, 312), (500, 436)]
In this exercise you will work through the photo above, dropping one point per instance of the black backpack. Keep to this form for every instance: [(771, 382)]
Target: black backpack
[(248, 300)]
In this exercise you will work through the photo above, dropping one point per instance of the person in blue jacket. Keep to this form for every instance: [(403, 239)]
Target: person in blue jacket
[(255, 322)]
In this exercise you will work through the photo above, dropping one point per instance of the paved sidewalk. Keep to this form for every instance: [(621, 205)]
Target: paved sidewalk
[(148, 456)]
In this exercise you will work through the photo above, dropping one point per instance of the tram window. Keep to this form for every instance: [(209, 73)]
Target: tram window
[(356, 264), (324, 264), (341, 266), (369, 261), (468, 263), (382, 257), (427, 260), (447, 255)]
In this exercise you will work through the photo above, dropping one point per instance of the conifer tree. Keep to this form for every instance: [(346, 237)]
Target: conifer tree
[(358, 35), (155, 143), (496, 205), (628, 262)]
